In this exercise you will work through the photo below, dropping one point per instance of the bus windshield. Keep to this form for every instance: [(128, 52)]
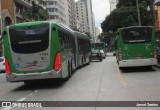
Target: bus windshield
[(24, 39), (99, 45), (136, 35)]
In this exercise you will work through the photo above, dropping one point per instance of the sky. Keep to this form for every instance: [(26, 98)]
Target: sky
[(101, 8)]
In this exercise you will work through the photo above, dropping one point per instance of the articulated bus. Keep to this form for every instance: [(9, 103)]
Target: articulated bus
[(136, 46), (43, 50), (99, 46)]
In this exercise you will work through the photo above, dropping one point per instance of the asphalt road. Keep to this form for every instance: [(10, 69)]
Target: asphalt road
[(99, 81)]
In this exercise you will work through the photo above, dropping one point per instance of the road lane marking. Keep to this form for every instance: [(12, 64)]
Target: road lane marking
[(36, 91), (123, 81), (30, 94), (21, 99), (7, 108)]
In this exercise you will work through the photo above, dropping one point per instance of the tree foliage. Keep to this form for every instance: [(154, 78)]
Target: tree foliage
[(126, 15), (36, 12)]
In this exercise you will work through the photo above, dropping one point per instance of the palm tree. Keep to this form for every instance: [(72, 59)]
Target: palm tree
[(36, 12)]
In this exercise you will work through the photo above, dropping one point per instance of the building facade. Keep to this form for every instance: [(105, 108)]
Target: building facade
[(81, 16), (62, 11), (84, 14), (72, 14), (97, 34), (113, 4)]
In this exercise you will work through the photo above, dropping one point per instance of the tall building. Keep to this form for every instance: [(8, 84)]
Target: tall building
[(62, 11), (113, 4), (97, 34), (82, 16), (72, 14), (86, 17)]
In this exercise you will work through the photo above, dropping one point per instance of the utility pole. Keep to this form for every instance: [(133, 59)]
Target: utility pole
[(139, 18)]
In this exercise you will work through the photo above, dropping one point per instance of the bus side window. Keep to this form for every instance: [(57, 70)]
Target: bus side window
[(61, 40)]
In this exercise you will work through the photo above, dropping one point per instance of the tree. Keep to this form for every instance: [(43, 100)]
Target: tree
[(126, 15), (36, 12)]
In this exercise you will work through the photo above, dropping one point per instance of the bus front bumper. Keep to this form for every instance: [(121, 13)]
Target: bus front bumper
[(138, 62), (33, 76)]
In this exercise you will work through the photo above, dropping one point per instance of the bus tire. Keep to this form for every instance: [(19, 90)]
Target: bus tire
[(69, 73), (82, 62)]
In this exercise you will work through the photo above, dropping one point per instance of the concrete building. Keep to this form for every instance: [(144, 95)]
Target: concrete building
[(113, 4), (86, 17), (72, 14), (81, 16), (62, 11), (97, 34)]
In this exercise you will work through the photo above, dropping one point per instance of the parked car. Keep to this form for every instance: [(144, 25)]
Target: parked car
[(2, 65), (96, 55), (114, 53), (103, 54)]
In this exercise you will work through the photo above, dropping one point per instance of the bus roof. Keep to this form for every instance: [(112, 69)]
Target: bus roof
[(134, 27), (81, 35)]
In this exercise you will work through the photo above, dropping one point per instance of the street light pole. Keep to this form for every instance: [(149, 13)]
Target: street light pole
[(139, 18)]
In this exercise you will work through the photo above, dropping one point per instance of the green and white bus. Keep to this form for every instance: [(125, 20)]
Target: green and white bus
[(99, 46), (43, 50), (136, 46)]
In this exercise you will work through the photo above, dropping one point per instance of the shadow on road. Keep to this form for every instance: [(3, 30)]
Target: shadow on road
[(41, 84), (137, 69)]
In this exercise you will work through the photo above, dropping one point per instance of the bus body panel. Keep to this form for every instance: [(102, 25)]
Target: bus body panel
[(136, 53), (138, 62), (83, 49)]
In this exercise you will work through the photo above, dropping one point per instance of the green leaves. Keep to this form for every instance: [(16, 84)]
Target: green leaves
[(126, 15), (36, 12)]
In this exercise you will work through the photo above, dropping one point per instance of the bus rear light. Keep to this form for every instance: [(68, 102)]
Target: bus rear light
[(8, 69), (155, 53), (57, 63), (120, 54)]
